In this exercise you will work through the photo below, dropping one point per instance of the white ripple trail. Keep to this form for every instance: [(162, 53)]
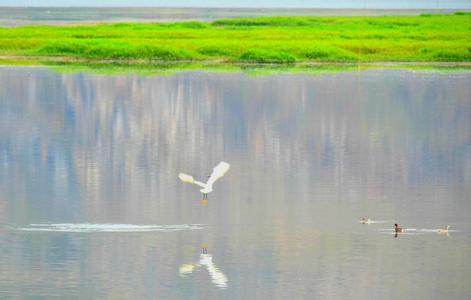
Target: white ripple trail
[(90, 227), (414, 231)]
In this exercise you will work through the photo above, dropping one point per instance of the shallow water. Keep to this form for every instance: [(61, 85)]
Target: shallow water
[(91, 206)]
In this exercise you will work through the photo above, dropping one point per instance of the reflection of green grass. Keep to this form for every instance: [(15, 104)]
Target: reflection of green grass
[(146, 69), (254, 40)]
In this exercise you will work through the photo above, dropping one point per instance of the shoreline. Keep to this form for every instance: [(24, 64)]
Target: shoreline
[(13, 17), (32, 60), (251, 69)]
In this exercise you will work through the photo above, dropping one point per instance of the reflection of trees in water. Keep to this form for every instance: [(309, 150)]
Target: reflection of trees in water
[(126, 136), (98, 148), (72, 265)]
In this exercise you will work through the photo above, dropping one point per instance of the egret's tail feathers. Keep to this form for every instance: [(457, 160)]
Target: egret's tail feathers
[(186, 178)]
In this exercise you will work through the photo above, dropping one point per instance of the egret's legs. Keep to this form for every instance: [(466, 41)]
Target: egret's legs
[(204, 201)]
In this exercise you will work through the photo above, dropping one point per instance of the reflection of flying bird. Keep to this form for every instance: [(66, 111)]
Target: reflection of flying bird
[(207, 187), (217, 277)]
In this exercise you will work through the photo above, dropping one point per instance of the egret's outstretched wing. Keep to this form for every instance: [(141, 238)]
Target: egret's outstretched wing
[(186, 269), (189, 179), (186, 178), (218, 172)]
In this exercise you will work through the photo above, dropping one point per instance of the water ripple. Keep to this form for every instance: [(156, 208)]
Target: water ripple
[(88, 227)]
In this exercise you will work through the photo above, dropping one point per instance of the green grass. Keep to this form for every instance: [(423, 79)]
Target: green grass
[(425, 38)]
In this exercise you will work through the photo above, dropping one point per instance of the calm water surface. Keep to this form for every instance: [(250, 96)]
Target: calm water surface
[(91, 206), (34, 15)]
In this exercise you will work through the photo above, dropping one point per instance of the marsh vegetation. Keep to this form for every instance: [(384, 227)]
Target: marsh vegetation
[(424, 38)]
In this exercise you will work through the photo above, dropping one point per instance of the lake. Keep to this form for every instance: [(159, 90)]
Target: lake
[(91, 206), (34, 15)]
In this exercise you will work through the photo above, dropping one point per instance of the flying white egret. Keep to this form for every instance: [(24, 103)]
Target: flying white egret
[(218, 172)]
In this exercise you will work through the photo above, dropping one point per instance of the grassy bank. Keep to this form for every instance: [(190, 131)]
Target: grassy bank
[(426, 38)]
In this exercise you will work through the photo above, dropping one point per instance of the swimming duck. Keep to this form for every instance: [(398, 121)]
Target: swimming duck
[(365, 221), (397, 228), (441, 230)]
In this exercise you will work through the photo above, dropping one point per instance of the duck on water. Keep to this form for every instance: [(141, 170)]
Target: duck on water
[(397, 228)]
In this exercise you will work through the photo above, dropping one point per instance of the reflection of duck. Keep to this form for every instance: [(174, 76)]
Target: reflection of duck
[(365, 221), (207, 187), (397, 228), (217, 277), (444, 231)]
